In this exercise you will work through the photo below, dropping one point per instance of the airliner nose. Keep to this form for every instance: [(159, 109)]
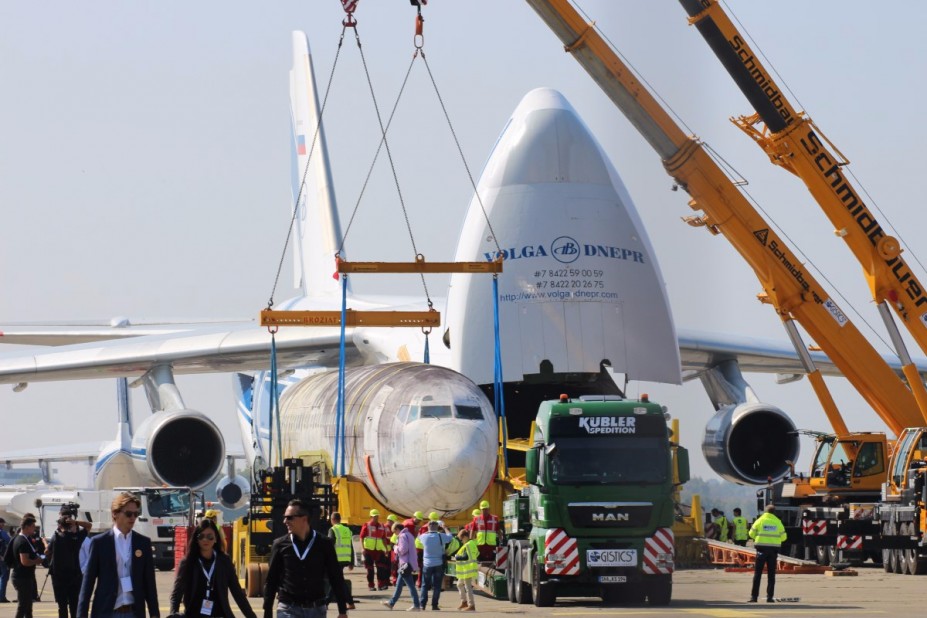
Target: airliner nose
[(545, 142), (581, 284), (456, 453)]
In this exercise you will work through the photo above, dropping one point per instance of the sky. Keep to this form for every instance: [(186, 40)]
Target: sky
[(144, 162)]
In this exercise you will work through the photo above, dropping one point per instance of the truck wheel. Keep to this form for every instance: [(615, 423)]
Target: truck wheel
[(891, 563), (809, 553), (544, 596), (897, 562), (887, 553), (522, 590), (510, 575), (913, 564), (823, 557), (660, 590), (920, 564)]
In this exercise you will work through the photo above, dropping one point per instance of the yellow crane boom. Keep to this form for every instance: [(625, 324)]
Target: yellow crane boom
[(792, 141), (787, 285)]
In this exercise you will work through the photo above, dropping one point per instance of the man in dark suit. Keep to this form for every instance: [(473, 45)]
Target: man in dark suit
[(121, 568)]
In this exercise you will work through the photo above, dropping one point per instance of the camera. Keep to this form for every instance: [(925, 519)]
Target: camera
[(68, 511)]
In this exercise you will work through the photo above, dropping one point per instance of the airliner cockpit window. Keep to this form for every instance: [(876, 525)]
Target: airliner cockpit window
[(436, 411), (403, 413), (469, 413)]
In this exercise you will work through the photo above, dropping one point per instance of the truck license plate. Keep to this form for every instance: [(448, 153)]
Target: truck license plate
[(613, 579)]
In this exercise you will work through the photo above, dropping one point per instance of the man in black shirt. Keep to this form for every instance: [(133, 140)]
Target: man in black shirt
[(299, 564), (24, 568), (64, 550)]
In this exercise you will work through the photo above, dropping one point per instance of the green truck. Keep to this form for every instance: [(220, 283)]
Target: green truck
[(596, 514)]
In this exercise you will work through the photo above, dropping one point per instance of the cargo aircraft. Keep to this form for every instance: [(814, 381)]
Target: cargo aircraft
[(582, 310)]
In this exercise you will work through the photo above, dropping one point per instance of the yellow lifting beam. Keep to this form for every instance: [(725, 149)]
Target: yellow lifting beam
[(420, 266), (415, 319), (418, 319)]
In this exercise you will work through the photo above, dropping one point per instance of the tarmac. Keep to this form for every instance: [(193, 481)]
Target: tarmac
[(703, 592)]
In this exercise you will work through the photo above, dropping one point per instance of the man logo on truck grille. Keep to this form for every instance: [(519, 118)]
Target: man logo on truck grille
[(611, 517)]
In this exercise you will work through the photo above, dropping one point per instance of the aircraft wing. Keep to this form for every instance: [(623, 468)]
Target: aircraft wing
[(82, 453), (86, 331), (212, 349), (699, 351), (131, 350)]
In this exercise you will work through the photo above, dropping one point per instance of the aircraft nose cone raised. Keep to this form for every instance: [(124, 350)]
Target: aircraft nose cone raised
[(456, 456), (545, 142)]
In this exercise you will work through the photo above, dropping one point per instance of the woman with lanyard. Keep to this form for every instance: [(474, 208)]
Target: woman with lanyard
[(206, 576)]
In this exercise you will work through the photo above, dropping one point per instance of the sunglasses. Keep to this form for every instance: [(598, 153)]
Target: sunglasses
[(131, 514), (204, 537), (291, 517)]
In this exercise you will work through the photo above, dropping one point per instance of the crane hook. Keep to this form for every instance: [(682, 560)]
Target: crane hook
[(419, 39)]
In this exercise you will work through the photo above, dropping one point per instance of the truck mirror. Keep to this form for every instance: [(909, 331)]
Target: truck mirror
[(531, 466), (682, 464)]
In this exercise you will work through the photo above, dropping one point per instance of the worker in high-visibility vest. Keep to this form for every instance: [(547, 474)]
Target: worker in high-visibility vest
[(720, 521), (340, 536), (486, 530), (374, 538), (467, 568), (412, 524), (393, 564), (741, 529), (768, 534)]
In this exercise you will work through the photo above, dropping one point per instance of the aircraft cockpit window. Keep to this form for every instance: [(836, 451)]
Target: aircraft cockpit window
[(413, 413), (436, 411), (469, 413), (403, 414)]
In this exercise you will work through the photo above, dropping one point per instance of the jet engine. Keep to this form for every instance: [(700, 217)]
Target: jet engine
[(750, 443), (233, 492), (182, 448)]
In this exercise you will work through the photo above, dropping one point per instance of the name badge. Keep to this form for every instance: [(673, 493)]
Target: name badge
[(206, 610), (126, 583)]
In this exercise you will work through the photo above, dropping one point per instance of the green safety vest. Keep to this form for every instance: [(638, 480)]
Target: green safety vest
[(768, 530), (468, 567), (740, 528), (452, 547), (721, 522), (342, 542), (375, 540)]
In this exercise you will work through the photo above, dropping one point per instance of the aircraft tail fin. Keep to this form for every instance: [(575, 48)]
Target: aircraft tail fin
[(317, 230)]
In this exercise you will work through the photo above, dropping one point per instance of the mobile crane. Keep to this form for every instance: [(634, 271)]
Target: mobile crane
[(792, 141), (787, 286), (896, 525)]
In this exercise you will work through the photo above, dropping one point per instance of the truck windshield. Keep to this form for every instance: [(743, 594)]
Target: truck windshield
[(168, 502), (609, 460)]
